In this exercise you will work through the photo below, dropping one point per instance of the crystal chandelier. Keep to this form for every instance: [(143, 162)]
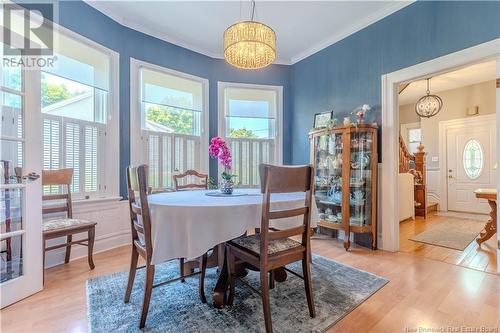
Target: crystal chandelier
[(429, 105), (249, 44)]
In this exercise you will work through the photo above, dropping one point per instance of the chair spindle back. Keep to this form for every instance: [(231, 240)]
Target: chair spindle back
[(137, 183), (61, 178)]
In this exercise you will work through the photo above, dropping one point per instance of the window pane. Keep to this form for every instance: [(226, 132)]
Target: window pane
[(11, 77), (414, 135), (70, 99), (11, 115), (250, 128), (473, 159), (160, 118), (171, 90)]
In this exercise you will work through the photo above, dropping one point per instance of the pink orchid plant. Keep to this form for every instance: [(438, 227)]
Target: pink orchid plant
[(218, 149)]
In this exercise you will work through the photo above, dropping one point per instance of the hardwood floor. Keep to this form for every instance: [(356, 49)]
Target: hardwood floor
[(421, 293), (481, 258)]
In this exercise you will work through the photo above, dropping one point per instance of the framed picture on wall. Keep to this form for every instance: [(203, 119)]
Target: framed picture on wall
[(321, 119)]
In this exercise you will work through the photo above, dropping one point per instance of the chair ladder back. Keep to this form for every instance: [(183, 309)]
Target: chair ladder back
[(191, 173), (281, 179), (61, 178), (137, 178)]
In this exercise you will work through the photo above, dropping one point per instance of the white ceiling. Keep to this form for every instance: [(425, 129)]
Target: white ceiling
[(460, 78), (302, 27)]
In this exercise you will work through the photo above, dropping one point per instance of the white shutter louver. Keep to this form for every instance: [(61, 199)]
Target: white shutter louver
[(90, 158), (72, 156)]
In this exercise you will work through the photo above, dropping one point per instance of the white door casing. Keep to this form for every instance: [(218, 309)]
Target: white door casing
[(458, 187)]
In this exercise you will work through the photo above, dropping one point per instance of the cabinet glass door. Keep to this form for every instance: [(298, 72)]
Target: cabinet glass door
[(361, 178), (328, 177)]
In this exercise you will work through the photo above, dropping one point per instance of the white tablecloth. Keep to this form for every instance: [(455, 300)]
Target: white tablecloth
[(186, 224)]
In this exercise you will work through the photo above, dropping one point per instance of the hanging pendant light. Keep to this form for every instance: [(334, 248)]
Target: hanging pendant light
[(429, 105), (250, 44)]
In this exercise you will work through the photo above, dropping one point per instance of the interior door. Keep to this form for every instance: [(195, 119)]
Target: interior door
[(471, 157), (20, 200)]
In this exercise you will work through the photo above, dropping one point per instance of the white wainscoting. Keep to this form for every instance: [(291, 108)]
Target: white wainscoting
[(112, 230), (433, 185)]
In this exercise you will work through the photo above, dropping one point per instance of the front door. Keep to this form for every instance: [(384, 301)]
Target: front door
[(20, 199), (471, 160)]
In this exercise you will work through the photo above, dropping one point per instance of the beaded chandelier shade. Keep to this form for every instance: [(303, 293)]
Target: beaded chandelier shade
[(249, 44), (429, 105)]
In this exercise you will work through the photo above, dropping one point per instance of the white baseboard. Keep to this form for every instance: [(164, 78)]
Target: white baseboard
[(112, 230)]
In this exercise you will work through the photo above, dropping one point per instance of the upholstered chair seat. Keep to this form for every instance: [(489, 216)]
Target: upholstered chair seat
[(252, 243), (65, 223)]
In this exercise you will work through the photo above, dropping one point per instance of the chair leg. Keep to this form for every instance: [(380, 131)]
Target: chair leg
[(148, 288), (271, 279), (69, 239), (265, 301), (306, 270), (231, 275), (181, 268), (201, 285), (131, 274), (43, 261), (90, 247)]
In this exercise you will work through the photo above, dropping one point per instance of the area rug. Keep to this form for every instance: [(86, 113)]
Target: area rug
[(338, 289), (454, 234)]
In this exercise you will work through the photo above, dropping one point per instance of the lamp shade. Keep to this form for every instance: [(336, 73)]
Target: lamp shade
[(249, 45)]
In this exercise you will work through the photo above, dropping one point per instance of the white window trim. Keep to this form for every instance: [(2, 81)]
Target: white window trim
[(136, 145), (110, 176), (221, 121)]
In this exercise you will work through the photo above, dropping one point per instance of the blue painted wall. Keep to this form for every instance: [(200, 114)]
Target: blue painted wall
[(348, 73), (85, 20)]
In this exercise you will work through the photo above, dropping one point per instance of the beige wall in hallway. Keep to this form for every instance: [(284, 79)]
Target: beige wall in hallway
[(455, 104)]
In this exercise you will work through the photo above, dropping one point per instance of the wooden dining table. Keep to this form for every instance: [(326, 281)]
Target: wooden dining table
[(491, 226), (187, 224)]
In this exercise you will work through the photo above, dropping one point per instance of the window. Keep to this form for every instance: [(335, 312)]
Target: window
[(473, 159), (76, 112), (414, 139), (172, 110), (250, 120)]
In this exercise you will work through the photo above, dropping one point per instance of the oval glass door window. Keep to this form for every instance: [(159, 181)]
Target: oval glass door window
[(473, 159)]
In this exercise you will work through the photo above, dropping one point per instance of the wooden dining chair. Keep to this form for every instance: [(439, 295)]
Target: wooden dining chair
[(269, 250), (201, 185), (190, 174), (142, 242), (64, 226)]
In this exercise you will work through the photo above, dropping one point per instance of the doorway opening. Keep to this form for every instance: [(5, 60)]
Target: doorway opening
[(443, 160), (391, 83)]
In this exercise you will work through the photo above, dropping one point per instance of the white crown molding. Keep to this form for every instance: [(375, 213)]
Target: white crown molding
[(363, 23)]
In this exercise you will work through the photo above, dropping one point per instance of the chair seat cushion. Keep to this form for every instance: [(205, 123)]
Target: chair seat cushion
[(65, 223), (252, 243)]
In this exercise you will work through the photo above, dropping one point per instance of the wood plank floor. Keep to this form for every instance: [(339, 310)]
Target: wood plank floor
[(421, 293), (481, 258)]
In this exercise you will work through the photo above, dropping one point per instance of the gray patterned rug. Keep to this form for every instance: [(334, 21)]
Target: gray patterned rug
[(338, 289)]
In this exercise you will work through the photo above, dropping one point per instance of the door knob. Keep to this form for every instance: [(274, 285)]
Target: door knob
[(450, 170), (450, 176)]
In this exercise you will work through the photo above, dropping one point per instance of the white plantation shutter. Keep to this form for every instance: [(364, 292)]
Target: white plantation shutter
[(154, 160), (72, 147), (90, 158), (75, 144)]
